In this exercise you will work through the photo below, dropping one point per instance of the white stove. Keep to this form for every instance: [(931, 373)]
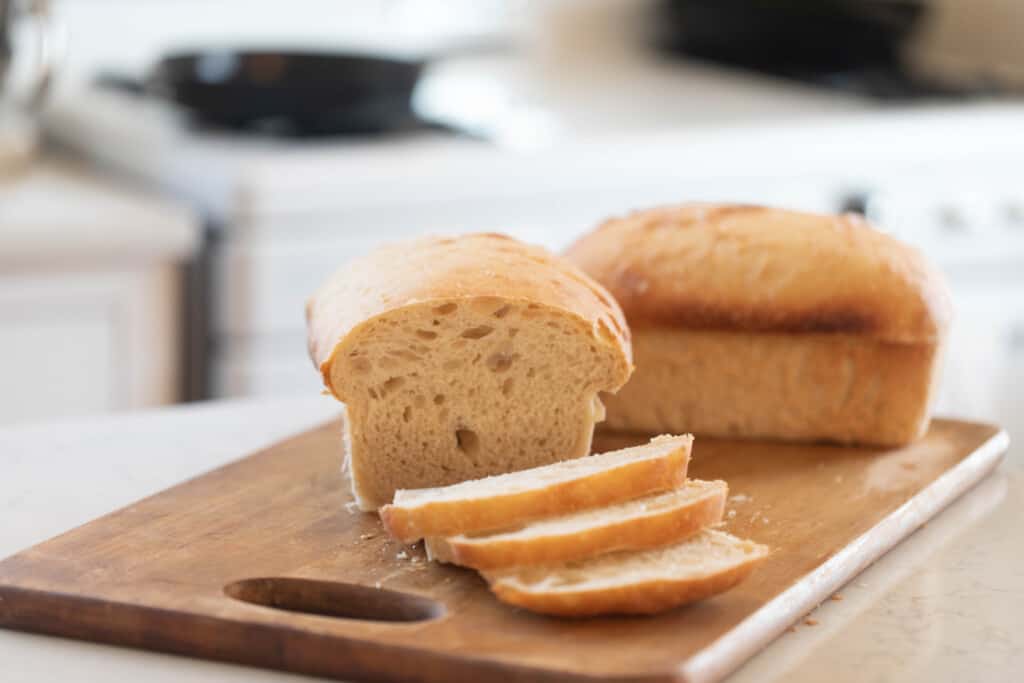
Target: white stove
[(283, 214)]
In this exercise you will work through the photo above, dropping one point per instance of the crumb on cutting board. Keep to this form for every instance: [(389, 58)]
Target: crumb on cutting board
[(811, 622)]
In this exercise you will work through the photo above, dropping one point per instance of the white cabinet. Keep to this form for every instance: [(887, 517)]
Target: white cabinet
[(90, 296), (88, 341)]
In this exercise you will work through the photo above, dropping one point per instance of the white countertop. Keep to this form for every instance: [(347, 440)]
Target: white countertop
[(945, 605), (59, 211)]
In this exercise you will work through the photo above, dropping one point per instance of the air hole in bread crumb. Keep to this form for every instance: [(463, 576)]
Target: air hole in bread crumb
[(426, 334), (467, 441), (360, 364), (499, 362), (407, 414), (512, 332), (438, 399), (503, 311), (506, 387), (531, 372), (392, 384), (372, 392), (445, 309), (477, 332)]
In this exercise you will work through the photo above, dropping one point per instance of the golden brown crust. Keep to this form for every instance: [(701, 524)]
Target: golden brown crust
[(448, 518), (806, 387), (638, 533), (447, 269), (643, 597), (758, 269)]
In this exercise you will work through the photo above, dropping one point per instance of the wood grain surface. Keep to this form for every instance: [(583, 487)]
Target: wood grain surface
[(263, 562)]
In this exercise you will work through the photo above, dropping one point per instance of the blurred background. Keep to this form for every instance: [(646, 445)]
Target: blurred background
[(176, 176)]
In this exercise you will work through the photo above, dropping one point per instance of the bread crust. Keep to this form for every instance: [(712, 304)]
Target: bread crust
[(637, 533), (758, 269), (642, 597), (445, 269), (625, 482), (806, 387)]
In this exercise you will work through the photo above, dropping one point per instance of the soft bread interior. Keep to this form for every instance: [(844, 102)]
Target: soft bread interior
[(447, 390), (542, 477), (707, 553)]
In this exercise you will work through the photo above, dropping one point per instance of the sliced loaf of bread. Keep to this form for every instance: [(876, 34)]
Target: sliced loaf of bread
[(632, 582), (463, 357), (510, 500), (647, 522)]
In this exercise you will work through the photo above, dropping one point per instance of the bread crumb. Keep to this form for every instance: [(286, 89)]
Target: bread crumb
[(764, 520), (836, 597), (377, 585), (740, 498), (352, 507), (811, 622), (367, 537), (402, 555), (839, 479), (730, 514)]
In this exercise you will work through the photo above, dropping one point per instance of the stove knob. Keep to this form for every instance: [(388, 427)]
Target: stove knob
[(1014, 214), (952, 220)]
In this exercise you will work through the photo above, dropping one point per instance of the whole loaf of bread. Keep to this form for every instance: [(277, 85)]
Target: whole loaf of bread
[(756, 322), (463, 357)]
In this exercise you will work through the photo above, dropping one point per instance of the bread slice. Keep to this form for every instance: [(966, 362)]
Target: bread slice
[(463, 357), (794, 325), (648, 522), (636, 582), (508, 500)]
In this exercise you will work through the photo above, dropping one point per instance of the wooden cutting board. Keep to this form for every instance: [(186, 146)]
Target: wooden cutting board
[(212, 568)]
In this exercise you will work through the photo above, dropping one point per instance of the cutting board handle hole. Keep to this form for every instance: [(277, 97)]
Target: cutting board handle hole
[(334, 599)]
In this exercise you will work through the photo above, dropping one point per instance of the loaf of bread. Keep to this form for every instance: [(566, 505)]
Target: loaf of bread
[(648, 522), (634, 582), (761, 323), (508, 500), (463, 357)]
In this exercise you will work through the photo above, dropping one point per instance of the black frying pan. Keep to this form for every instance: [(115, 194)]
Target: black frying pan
[(286, 92), (785, 35), (302, 93)]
